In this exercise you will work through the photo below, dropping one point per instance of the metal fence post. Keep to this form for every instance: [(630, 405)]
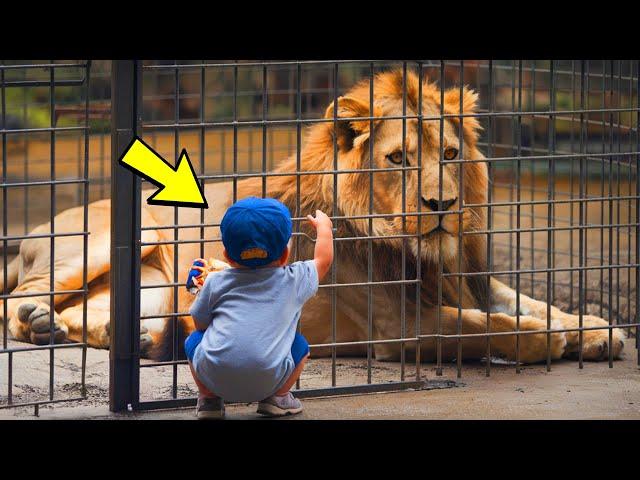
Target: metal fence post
[(124, 353)]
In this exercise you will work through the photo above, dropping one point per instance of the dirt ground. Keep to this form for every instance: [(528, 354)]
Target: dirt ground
[(567, 392)]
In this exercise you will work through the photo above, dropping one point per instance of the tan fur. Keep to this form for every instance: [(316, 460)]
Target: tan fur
[(467, 183)]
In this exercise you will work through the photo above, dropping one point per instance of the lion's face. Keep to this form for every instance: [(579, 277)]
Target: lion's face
[(420, 181)]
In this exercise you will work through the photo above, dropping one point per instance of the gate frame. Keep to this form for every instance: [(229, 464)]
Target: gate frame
[(124, 351)]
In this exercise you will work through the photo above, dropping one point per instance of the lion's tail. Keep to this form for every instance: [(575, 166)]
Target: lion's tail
[(13, 269)]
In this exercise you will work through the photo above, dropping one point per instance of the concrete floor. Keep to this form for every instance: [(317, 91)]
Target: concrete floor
[(595, 392)]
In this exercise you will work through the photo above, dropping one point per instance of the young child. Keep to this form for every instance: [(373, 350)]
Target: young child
[(245, 347)]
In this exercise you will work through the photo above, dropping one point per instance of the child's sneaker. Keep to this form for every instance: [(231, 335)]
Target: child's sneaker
[(278, 406), (210, 408)]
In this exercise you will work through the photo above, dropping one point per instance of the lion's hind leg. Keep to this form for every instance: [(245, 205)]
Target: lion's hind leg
[(98, 325), (595, 343)]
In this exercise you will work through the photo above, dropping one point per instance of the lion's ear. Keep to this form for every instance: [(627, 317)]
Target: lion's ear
[(470, 125), (352, 133)]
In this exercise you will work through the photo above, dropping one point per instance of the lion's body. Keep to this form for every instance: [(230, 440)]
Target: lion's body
[(393, 305)]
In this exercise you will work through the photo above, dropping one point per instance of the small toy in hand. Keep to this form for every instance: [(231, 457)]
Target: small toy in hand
[(199, 271)]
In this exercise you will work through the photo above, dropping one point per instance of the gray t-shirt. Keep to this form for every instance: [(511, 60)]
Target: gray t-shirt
[(250, 318)]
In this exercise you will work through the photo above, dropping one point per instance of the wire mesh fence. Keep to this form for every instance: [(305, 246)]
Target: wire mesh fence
[(544, 212), (45, 158), (558, 223)]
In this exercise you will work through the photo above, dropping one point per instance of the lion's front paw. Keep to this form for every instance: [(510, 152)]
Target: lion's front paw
[(37, 316), (595, 343), (533, 347)]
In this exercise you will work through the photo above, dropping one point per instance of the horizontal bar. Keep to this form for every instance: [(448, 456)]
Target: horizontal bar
[(551, 229), (526, 332), (164, 364), (241, 123), (542, 250), (543, 270), (42, 294), (44, 235), (41, 402), (42, 65), (38, 183), (42, 129), (363, 389), (328, 285), (338, 239), (549, 202), (427, 336), (594, 156), (44, 83), (32, 348), (300, 219), (253, 64), (309, 393), (223, 176), (412, 235), (424, 63), (166, 404)]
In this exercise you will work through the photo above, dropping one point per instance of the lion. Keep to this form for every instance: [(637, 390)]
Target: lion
[(424, 235)]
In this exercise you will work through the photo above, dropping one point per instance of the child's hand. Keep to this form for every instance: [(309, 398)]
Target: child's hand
[(197, 275), (321, 220), (323, 252)]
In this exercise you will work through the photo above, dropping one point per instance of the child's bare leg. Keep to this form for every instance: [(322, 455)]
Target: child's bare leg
[(202, 390), (293, 377)]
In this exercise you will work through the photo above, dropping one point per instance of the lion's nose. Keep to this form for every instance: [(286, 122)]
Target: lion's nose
[(437, 206)]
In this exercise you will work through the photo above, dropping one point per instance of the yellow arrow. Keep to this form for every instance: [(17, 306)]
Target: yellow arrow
[(178, 186)]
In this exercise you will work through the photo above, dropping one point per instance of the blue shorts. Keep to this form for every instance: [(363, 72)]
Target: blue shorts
[(299, 349)]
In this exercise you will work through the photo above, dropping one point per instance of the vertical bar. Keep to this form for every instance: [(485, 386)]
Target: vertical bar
[(550, 196), (370, 230), (637, 219), (176, 235), (460, 217), (403, 287), (419, 230), (124, 352), (618, 177), (52, 214), (298, 168), (26, 158), (584, 204), (202, 148), (514, 133), (264, 130), (490, 142), (602, 175), (5, 332), (532, 173), (235, 132), (440, 261), (581, 232), (518, 208), (571, 195), (85, 237), (610, 187), (334, 213), (630, 142)]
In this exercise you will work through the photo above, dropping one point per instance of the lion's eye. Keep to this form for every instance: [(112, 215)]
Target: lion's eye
[(450, 153), (395, 157)]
